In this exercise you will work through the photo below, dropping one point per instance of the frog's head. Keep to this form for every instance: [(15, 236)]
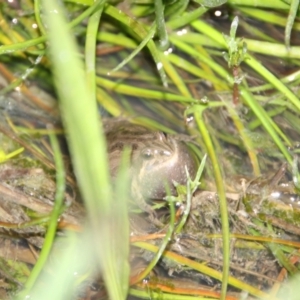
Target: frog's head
[(161, 162)]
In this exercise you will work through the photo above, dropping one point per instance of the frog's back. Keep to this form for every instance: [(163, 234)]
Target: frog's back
[(121, 134)]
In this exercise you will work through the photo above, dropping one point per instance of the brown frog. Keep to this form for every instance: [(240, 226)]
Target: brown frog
[(156, 160)]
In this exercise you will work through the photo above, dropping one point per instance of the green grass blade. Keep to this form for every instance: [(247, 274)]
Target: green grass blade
[(86, 141), (140, 32), (265, 120), (259, 68), (140, 92), (290, 21), (57, 210), (198, 113), (160, 25), (137, 49)]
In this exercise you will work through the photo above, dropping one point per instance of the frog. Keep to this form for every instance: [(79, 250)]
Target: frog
[(157, 160)]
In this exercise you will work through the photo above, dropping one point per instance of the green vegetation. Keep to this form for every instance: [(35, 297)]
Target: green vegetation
[(159, 63)]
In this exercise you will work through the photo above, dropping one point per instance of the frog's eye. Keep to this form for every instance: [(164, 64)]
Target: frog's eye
[(147, 154), (165, 153)]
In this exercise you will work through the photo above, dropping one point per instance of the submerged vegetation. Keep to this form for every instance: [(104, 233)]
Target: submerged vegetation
[(221, 74)]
